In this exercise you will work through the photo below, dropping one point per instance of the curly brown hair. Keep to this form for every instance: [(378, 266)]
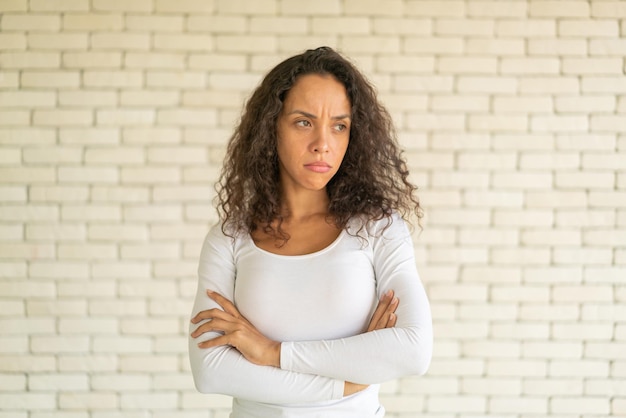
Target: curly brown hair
[(372, 181)]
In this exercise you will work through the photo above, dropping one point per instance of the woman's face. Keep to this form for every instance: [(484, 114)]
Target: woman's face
[(313, 132)]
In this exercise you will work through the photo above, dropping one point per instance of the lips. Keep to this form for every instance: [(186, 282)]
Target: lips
[(318, 167)]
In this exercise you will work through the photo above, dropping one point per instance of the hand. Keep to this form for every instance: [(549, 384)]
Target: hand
[(384, 315), (238, 333)]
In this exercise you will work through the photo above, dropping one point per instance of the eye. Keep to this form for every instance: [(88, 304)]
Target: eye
[(340, 127), (303, 123)]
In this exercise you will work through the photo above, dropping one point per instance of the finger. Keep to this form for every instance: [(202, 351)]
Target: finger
[(385, 318), (215, 342), (226, 304), (392, 320), (209, 314), (383, 304), (214, 325)]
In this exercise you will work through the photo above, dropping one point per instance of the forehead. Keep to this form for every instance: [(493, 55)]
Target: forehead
[(317, 89)]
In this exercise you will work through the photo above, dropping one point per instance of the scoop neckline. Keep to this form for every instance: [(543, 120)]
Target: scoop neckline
[(324, 250)]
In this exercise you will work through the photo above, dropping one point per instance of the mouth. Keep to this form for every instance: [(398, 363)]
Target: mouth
[(318, 167)]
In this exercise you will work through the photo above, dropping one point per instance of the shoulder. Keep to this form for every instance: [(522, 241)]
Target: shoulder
[(392, 226)]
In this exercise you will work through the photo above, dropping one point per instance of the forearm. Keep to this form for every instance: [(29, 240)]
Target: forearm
[(224, 370), (369, 358)]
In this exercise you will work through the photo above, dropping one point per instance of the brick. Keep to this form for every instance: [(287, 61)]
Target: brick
[(604, 274), (14, 118), (552, 8), (552, 350), (458, 292), (271, 25), (608, 123), (110, 79), (27, 363), (149, 251), (31, 21), (65, 382), (92, 59), (414, 83), (93, 21), (12, 41), (60, 41), (89, 289), (62, 117), (129, 41), (601, 238), (10, 194), (141, 363), (125, 117), (56, 5), (161, 79), (437, 46), (607, 199), (58, 193), (561, 47), (499, 47), (553, 312), (27, 175), (526, 28), (185, 6), (55, 232), (12, 382), (64, 344), (582, 331), (517, 368), (174, 42), (28, 401), (89, 136), (149, 213), (217, 24), (606, 351), (588, 179), (608, 9), (90, 400), (86, 251), (12, 269), (154, 60), (469, 103), (490, 386), (565, 387), (458, 404), (464, 27), (120, 308), (434, 8), (137, 6), (593, 218), (465, 65), (605, 84), (122, 345), (243, 43), (27, 60), (187, 117), (87, 98), (582, 405), (585, 66), (477, 217), (62, 307), (585, 104), (563, 238), (28, 99), (218, 62), (490, 274), (382, 25), (9, 79), (433, 122), (529, 65), (119, 194), (487, 85), (14, 6), (460, 180), (610, 47), (486, 161), (88, 175), (117, 232), (524, 180), (588, 28), (514, 405), (123, 382), (586, 142), (130, 269)]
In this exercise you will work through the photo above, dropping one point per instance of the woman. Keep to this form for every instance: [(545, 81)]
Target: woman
[(308, 295)]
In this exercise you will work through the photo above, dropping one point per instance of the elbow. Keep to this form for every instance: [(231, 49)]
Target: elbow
[(421, 351)]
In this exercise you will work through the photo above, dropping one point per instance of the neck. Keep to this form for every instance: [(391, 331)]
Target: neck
[(298, 206)]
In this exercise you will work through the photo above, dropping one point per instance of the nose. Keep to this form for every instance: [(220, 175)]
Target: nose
[(321, 141)]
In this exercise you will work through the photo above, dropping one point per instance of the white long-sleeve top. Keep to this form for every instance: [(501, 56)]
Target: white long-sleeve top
[(318, 305)]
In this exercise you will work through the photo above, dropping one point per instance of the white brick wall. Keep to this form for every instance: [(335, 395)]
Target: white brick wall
[(113, 120)]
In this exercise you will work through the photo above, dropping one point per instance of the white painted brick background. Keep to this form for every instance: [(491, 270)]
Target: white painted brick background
[(113, 119)]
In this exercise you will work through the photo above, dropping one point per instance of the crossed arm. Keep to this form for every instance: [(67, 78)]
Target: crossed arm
[(237, 332)]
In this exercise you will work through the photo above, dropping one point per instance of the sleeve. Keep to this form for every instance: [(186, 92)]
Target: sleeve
[(381, 355), (223, 369)]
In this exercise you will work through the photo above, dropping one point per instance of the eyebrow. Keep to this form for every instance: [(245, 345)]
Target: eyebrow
[(312, 116)]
